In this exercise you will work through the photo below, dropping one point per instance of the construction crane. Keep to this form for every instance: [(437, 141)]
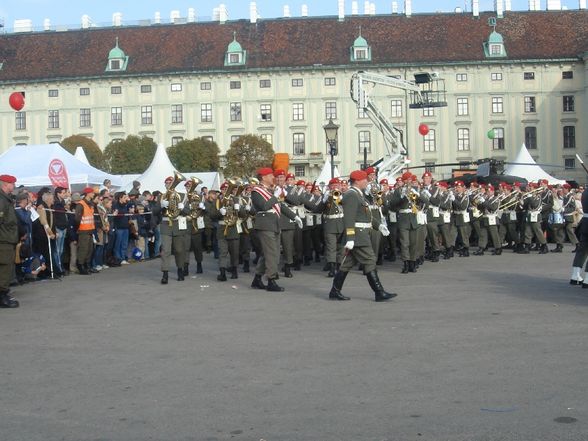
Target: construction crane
[(427, 90)]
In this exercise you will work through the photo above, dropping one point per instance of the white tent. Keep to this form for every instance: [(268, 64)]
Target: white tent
[(160, 168), (49, 165), (325, 174), (531, 173), (81, 155)]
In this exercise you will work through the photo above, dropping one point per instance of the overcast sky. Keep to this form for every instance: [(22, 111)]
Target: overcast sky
[(70, 13)]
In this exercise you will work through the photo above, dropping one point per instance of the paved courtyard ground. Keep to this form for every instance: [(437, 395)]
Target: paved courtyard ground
[(484, 348)]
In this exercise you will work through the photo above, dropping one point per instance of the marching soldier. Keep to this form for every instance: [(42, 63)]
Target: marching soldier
[(582, 249), (374, 196), (268, 209), (196, 225), (358, 222), (333, 226), (247, 239), (287, 225), (508, 221), (569, 207), (392, 217), (8, 240), (556, 219), (403, 202), (173, 228), (314, 219), (446, 225), (532, 205), (489, 222), (476, 194), (431, 192), (461, 206)]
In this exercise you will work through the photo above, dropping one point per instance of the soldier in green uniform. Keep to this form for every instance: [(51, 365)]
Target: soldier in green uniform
[(508, 221), (489, 223), (532, 204), (196, 225), (287, 197), (358, 222), (267, 225), (446, 227), (569, 207), (431, 192), (333, 226), (8, 240), (402, 201), (461, 217)]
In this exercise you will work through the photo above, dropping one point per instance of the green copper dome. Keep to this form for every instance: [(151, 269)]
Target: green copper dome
[(360, 42), (116, 52), (495, 37)]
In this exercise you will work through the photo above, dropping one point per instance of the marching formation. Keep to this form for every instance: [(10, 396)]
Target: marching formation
[(286, 224)]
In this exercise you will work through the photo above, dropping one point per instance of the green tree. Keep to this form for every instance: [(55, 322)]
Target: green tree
[(246, 154), (131, 155), (194, 155), (91, 149)]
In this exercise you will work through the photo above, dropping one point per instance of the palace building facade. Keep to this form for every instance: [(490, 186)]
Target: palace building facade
[(523, 76)]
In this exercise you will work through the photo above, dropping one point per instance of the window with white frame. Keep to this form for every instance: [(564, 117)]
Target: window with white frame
[(497, 104), (330, 110), (568, 103), (206, 112), (461, 77), (206, 85), (498, 141), (115, 90), (267, 137), (234, 138), (85, 118), (264, 84), (54, 119), (496, 76), (428, 111), (429, 144), (364, 138), (146, 115), (361, 114), (300, 171), (463, 106), (298, 111), (235, 111), (299, 144), (569, 137), (330, 81), (569, 163), (265, 111), (84, 91), (176, 139), (176, 87), (145, 88), (396, 108), (297, 82), (463, 140), (177, 114), (529, 75), (531, 138), (235, 85), (53, 93), (20, 120), (530, 104), (116, 116), (567, 75)]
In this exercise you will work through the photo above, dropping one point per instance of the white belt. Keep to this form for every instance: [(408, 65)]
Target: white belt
[(507, 211), (334, 216), (165, 218), (405, 210), (221, 222), (461, 212), (363, 225), (374, 207)]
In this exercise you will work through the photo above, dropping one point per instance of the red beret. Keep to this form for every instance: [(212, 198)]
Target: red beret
[(290, 175), (7, 178), (88, 190), (543, 182), (384, 182), (279, 172), (567, 186), (473, 184), (531, 185), (507, 187), (517, 184), (264, 171), (358, 175), (406, 176), (334, 181), (442, 184), (414, 178), (224, 185), (427, 174), (399, 179), (301, 182), (169, 179), (502, 184), (459, 184), (490, 187), (370, 170)]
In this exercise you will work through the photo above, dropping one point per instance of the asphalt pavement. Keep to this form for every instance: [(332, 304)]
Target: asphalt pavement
[(480, 348)]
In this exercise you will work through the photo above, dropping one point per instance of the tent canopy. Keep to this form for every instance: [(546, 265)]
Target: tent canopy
[(325, 175), (531, 173), (81, 155), (160, 168), (45, 164)]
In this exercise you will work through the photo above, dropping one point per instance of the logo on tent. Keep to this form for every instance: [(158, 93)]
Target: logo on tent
[(58, 174)]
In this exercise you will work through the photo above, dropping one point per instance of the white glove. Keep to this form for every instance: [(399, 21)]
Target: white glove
[(237, 207), (181, 206), (426, 193), (202, 206), (350, 244), (298, 222), (326, 197), (278, 192), (384, 230), (451, 197), (247, 207), (164, 204), (481, 200), (223, 211)]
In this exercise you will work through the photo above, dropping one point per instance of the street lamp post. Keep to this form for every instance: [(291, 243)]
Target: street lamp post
[(331, 130)]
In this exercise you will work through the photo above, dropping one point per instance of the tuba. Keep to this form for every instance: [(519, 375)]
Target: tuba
[(194, 199), (173, 197), (227, 202)]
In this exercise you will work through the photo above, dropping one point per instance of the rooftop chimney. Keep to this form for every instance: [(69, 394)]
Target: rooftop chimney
[(373, 9), (304, 11), (287, 11), (554, 5), (394, 7), (366, 7), (191, 15), (341, 9), (46, 24), (499, 8), (23, 25), (582, 4), (157, 18), (86, 21), (117, 19), (253, 12), (507, 5), (476, 8), (174, 15), (408, 7), (223, 13), (354, 8), (534, 5)]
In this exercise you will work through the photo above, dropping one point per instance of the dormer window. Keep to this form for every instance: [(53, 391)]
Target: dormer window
[(360, 51), (235, 55), (117, 60), (494, 47)]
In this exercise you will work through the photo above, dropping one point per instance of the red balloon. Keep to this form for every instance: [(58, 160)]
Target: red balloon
[(423, 129), (16, 101)]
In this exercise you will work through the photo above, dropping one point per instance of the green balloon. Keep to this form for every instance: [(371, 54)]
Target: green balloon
[(490, 134)]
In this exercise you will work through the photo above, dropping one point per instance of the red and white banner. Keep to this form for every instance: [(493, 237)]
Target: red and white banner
[(58, 174)]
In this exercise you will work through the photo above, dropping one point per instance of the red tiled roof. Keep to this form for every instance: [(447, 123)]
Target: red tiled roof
[(286, 43)]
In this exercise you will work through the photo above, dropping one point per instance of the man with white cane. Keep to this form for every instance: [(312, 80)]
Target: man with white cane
[(358, 248)]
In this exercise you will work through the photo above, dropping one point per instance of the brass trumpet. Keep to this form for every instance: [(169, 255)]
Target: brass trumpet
[(173, 197)]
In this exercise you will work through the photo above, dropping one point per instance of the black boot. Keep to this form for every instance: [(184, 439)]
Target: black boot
[(287, 272), (576, 248), (7, 301), (326, 267), (466, 252), (536, 247), (273, 286), (435, 256), (307, 260), (317, 258), (338, 281), (164, 278), (180, 274), (186, 269), (451, 249), (246, 266), (479, 252), (412, 268), (524, 249), (544, 249), (331, 270), (222, 277), (558, 248), (297, 266), (405, 267), (87, 268), (257, 282), (234, 274), (82, 270), (198, 267), (376, 285), (497, 252)]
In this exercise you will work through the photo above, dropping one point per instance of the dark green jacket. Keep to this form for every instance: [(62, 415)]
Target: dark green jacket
[(357, 211), (8, 220)]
